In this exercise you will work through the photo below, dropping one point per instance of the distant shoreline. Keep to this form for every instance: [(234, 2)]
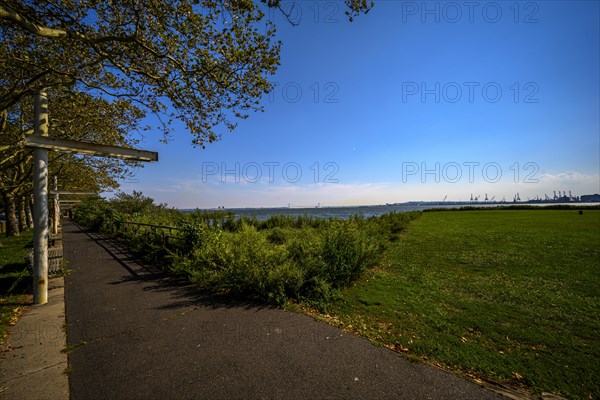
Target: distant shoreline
[(427, 204), (345, 212)]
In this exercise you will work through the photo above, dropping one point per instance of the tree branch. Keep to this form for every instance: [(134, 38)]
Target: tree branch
[(53, 33), (29, 26)]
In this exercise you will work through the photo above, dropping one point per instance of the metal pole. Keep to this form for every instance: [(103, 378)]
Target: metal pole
[(40, 204)]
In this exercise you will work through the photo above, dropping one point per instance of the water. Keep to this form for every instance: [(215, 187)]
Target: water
[(323, 212), (367, 211), (339, 212)]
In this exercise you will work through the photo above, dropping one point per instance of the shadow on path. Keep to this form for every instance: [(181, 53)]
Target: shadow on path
[(138, 333), (179, 288)]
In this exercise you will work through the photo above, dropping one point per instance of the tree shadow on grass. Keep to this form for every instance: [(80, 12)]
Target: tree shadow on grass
[(15, 279)]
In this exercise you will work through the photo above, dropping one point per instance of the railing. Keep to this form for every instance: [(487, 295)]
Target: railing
[(139, 227)]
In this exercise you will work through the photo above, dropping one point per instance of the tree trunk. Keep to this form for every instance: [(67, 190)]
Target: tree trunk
[(21, 214), (12, 224), (29, 211)]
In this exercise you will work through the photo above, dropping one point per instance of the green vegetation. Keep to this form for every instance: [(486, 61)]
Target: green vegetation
[(504, 295), (15, 280), (507, 295), (302, 258), (72, 347)]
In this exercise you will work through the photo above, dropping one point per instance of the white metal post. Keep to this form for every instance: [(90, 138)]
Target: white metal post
[(40, 204)]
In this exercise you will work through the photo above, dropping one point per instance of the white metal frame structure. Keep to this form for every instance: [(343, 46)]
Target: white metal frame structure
[(42, 144)]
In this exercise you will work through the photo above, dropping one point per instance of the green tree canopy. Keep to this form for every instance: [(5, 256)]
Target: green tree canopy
[(205, 63), (107, 64)]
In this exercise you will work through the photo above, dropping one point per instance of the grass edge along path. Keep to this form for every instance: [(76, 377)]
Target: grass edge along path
[(507, 296), (15, 281)]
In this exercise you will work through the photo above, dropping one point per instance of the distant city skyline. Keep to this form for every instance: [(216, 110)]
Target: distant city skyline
[(414, 101)]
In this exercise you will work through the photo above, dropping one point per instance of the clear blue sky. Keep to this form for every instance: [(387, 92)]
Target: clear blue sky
[(407, 103)]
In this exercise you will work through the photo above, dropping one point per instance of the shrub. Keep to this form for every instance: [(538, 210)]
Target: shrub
[(191, 236), (346, 253), (277, 236), (214, 253), (254, 258), (388, 227), (97, 214), (284, 257), (287, 281)]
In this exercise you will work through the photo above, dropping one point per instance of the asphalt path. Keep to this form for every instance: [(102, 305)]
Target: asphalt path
[(134, 333)]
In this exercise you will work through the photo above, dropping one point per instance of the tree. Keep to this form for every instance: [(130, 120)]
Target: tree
[(76, 116), (206, 61), (131, 204)]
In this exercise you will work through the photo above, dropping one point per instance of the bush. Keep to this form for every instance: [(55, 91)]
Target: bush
[(302, 258), (309, 267), (254, 258), (277, 236), (215, 252), (191, 236), (98, 215), (346, 253), (389, 226)]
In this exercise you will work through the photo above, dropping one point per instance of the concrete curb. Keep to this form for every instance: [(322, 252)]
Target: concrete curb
[(33, 365)]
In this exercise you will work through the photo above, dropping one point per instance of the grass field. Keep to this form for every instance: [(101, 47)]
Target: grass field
[(507, 295), (15, 280)]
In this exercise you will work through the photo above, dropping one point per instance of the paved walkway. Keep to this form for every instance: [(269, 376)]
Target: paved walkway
[(139, 335), (33, 362)]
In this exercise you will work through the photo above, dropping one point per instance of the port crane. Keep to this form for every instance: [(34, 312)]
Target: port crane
[(516, 198)]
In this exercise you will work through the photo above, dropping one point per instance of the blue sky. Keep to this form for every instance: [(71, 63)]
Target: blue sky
[(414, 101)]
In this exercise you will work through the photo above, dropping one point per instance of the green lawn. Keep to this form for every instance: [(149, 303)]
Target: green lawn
[(508, 295), (15, 280)]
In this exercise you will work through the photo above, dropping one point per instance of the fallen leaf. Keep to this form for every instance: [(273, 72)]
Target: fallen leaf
[(516, 375), (400, 348)]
